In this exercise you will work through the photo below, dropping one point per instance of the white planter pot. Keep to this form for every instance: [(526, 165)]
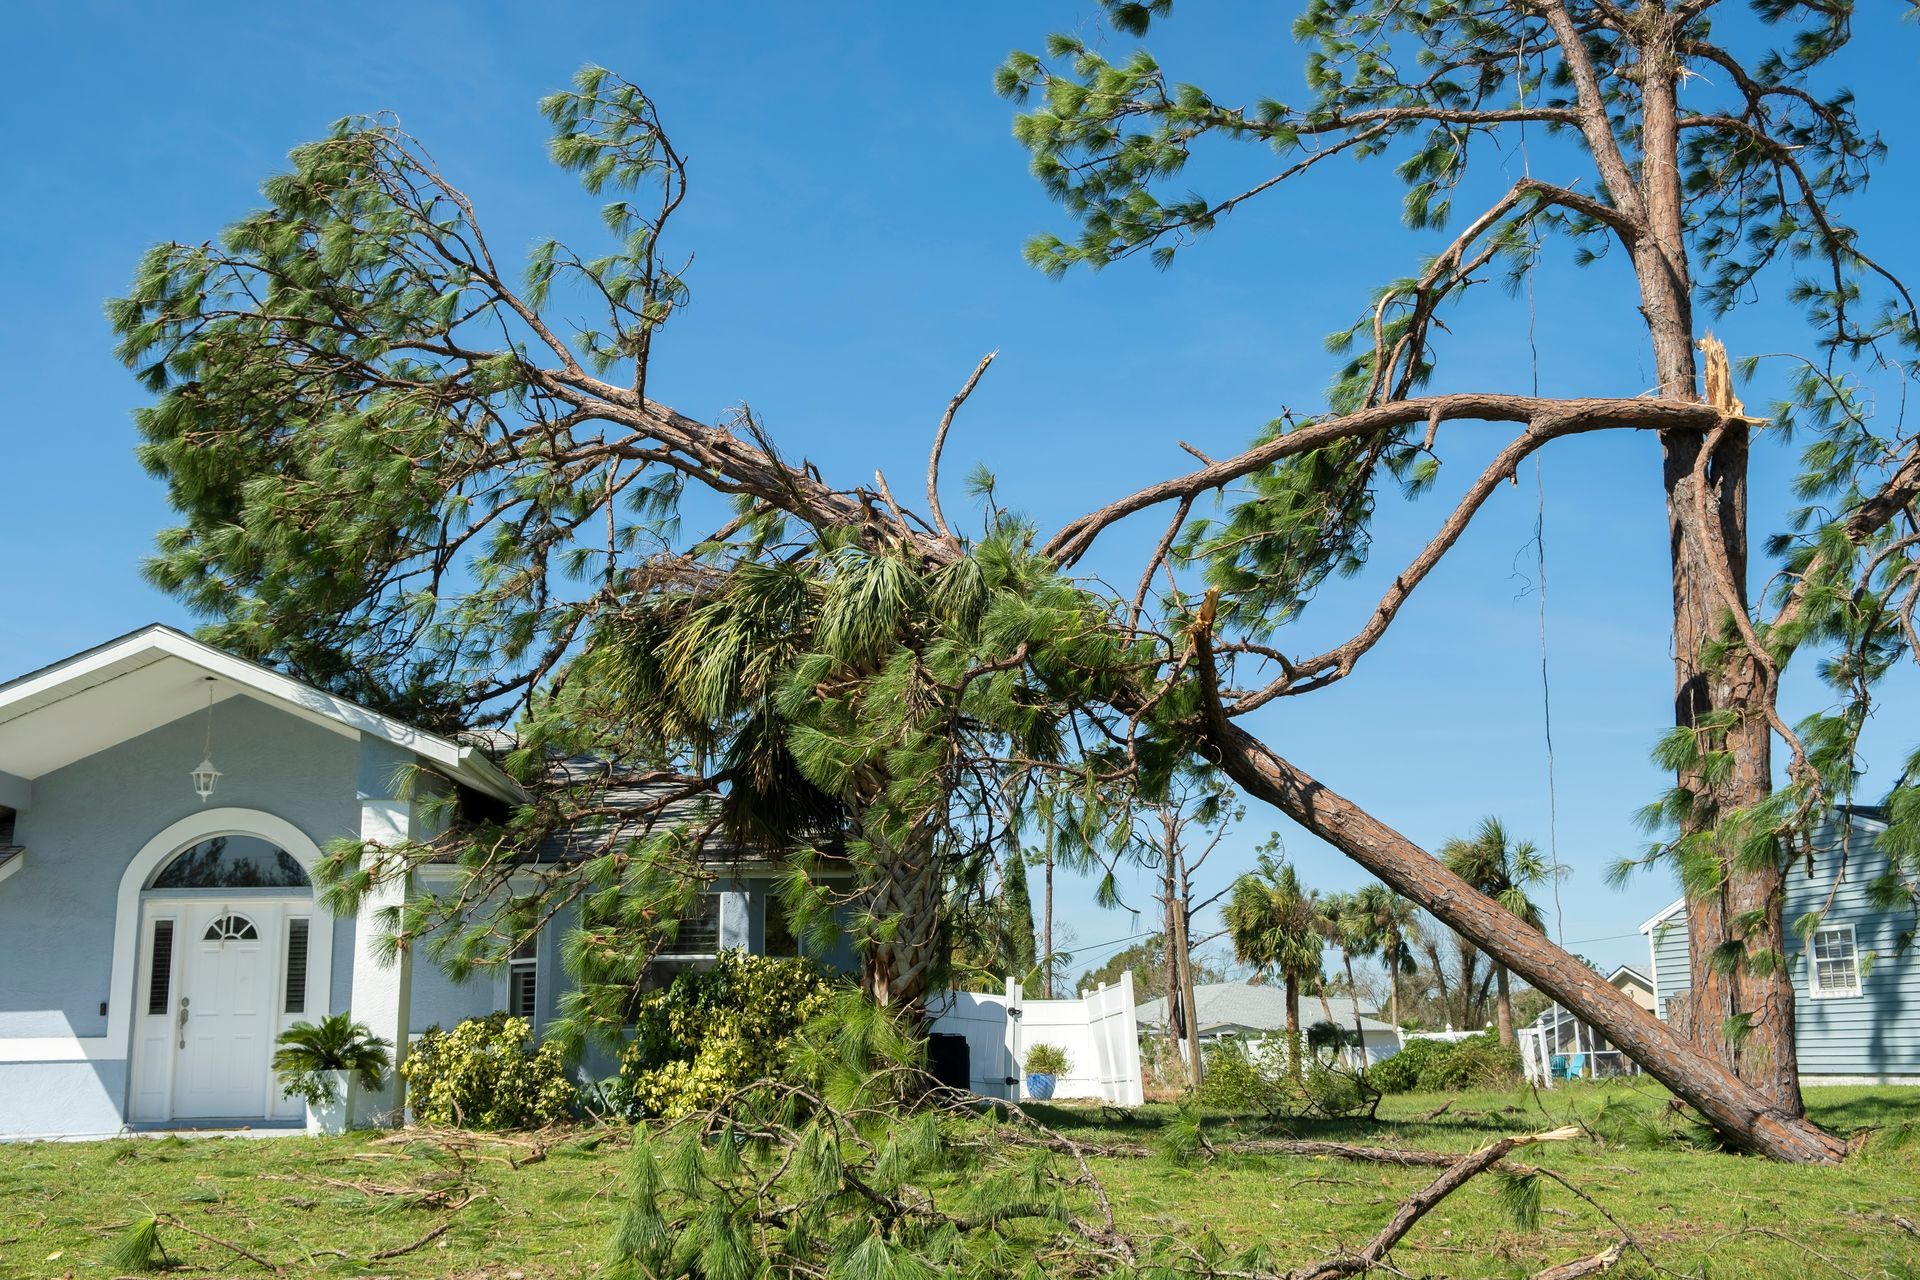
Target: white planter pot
[(330, 1118)]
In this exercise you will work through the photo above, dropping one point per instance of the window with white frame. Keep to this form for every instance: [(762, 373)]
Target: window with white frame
[(1833, 963), (523, 980), (699, 934)]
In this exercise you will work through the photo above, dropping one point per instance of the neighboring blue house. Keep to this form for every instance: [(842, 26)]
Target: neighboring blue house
[(162, 805), (1856, 986)]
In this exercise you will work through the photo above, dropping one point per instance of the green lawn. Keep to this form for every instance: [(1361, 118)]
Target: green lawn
[(326, 1207)]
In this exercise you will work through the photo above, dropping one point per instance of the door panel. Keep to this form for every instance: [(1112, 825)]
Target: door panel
[(225, 1022)]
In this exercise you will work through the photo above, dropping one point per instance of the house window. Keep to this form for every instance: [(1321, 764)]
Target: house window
[(1833, 963), (523, 980), (296, 966), (231, 928), (232, 862), (699, 933), (778, 933)]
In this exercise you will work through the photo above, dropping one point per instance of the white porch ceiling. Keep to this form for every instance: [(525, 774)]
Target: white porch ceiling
[(55, 727)]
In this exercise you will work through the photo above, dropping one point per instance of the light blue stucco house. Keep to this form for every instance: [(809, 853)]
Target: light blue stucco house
[(155, 940), (1856, 983)]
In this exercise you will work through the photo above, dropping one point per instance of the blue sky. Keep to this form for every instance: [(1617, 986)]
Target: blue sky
[(858, 210)]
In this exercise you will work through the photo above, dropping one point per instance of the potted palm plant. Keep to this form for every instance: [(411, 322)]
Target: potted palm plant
[(327, 1063), (1046, 1063)]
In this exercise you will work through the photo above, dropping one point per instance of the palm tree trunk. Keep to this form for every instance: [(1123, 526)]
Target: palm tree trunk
[(1503, 1005)]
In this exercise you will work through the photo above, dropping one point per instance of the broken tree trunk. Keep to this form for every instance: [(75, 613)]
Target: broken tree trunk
[(1746, 1116)]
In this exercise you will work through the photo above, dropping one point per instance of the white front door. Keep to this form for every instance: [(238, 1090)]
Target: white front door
[(225, 1023)]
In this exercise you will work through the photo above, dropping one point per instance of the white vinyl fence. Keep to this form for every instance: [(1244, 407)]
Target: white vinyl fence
[(1097, 1031)]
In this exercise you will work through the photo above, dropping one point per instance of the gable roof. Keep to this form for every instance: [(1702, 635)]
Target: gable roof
[(1256, 1007), (156, 675), (1632, 974)]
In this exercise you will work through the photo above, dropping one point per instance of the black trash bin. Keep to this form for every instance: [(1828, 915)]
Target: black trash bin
[(949, 1060)]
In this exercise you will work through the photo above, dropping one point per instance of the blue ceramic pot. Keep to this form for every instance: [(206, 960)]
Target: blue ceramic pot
[(1039, 1087)]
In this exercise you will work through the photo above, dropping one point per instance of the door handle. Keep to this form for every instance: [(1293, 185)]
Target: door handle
[(182, 1020)]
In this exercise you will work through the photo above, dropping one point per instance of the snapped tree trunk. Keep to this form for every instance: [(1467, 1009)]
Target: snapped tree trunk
[(1707, 528), (1503, 1005), (1746, 1116)]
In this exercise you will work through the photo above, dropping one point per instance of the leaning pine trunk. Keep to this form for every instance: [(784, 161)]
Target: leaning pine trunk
[(1746, 1116)]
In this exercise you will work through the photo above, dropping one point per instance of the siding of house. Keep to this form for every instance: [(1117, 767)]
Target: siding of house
[(1875, 1034)]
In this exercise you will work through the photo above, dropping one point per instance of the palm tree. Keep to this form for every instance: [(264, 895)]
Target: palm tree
[(1350, 926), (1274, 924), (1396, 922), (1503, 870)]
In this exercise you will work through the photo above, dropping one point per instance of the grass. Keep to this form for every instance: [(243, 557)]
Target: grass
[(326, 1206)]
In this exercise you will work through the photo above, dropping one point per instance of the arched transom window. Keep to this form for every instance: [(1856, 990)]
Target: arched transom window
[(232, 862), (232, 928)]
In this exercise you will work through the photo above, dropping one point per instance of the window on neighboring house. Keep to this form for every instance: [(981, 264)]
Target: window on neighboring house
[(523, 980), (1833, 964), (699, 933)]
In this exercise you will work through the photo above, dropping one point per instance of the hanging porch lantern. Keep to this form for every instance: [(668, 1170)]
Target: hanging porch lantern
[(204, 775)]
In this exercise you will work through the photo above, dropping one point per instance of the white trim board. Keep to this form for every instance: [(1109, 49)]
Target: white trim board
[(153, 643)]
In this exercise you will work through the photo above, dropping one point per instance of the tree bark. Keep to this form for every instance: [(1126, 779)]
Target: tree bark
[(909, 888), (1745, 1115), (1046, 978), (1707, 533), (1179, 1010), (1196, 1069), (1353, 1002), (1503, 1005), (1295, 1046)]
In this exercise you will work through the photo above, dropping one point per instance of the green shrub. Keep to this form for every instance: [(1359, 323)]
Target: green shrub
[(1401, 1072), (487, 1073), (1254, 1076), (714, 1031), (1480, 1062), (1048, 1060)]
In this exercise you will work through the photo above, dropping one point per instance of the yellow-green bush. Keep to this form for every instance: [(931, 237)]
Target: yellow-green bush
[(487, 1073), (715, 1030)]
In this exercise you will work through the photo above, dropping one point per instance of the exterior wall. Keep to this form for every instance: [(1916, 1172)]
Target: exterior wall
[(61, 1099), (1668, 945), (1874, 1035), (89, 819)]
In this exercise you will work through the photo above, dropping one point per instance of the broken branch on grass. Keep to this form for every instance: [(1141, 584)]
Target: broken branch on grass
[(167, 1219), (1422, 1202)]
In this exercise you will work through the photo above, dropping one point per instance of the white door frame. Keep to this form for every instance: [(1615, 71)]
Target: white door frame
[(155, 1052), (130, 1027)]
